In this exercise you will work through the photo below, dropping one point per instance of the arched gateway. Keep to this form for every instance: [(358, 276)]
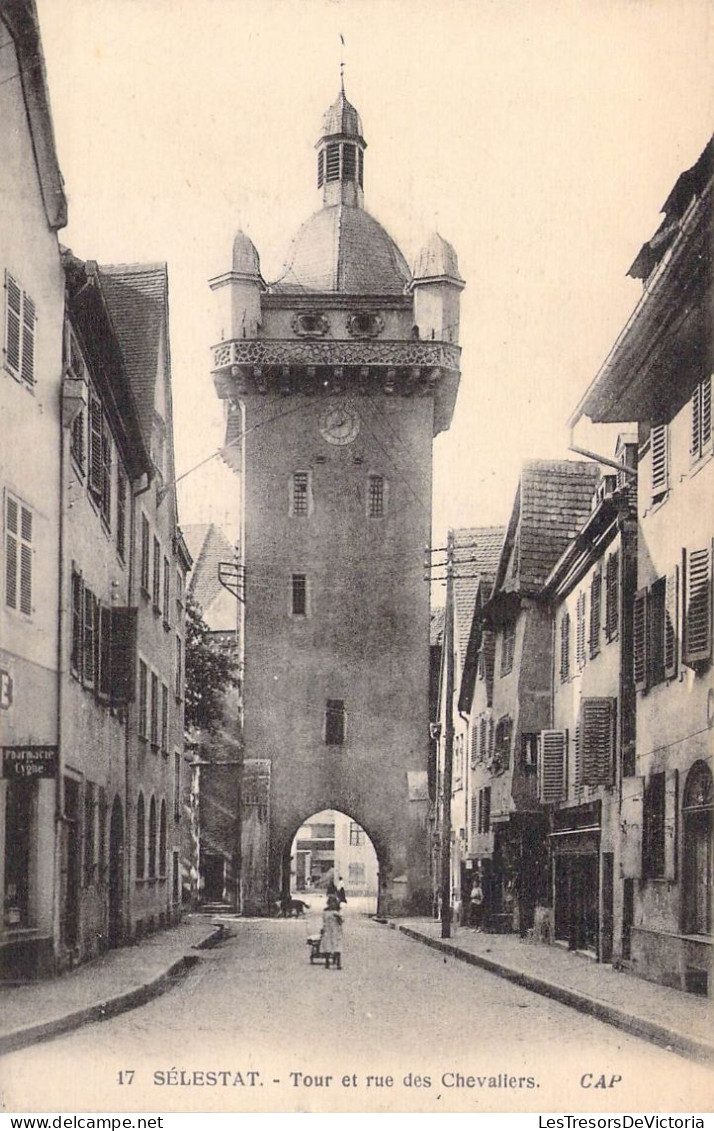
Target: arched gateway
[(336, 378)]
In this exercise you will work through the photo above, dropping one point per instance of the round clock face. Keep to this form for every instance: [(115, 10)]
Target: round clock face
[(339, 424)]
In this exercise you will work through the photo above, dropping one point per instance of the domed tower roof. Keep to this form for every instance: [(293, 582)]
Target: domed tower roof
[(246, 260), (437, 260), (341, 248), (344, 249)]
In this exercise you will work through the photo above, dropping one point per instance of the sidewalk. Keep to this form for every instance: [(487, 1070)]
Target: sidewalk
[(119, 980), (681, 1022)]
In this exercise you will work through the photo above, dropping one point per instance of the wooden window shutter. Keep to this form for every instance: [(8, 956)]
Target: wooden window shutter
[(671, 798), (660, 459), (695, 439), (698, 608), (640, 664), (104, 677), (12, 551), (595, 605), (577, 759), (489, 652), (89, 644), (551, 766), (706, 413), (28, 340), (580, 630), (77, 622), (13, 320), (612, 588), (123, 655), (565, 646), (95, 445), (25, 561), (597, 731), (671, 621)]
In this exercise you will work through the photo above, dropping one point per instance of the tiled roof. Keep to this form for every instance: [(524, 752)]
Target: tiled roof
[(208, 547), (436, 628), (478, 548), (136, 295), (342, 248), (553, 501)]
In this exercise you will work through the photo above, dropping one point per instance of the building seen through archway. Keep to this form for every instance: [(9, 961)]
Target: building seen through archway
[(332, 848)]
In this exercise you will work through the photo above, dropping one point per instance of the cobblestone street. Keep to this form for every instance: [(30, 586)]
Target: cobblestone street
[(255, 1027)]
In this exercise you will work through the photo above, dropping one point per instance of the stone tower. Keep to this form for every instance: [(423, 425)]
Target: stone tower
[(336, 378)]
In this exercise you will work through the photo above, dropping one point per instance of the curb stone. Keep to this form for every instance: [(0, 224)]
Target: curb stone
[(637, 1026), (102, 1011)]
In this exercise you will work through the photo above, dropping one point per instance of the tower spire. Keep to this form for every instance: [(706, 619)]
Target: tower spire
[(340, 151), (342, 63)]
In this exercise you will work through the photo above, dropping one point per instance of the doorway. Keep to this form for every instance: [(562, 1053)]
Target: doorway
[(70, 863), (698, 854)]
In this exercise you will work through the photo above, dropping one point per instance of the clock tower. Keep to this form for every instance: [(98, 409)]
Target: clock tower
[(336, 377)]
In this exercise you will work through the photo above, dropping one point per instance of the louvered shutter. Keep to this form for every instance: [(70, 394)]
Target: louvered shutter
[(77, 622), (12, 551), (639, 640), (612, 595), (706, 412), (695, 441), (551, 766), (25, 561), (671, 620), (565, 646), (28, 340), (95, 445), (489, 652), (597, 731), (660, 462), (698, 607), (13, 320), (577, 760), (580, 630), (595, 601)]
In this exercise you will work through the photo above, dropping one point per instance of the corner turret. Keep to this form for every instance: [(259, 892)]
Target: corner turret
[(238, 293), (436, 285)]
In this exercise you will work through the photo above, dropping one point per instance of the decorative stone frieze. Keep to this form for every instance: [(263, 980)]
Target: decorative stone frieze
[(286, 351)]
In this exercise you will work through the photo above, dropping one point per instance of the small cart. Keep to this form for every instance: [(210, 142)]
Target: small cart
[(316, 954)]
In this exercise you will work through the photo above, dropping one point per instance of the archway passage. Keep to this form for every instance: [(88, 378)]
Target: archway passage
[(330, 848)]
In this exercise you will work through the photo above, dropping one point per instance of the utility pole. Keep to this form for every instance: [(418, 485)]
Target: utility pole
[(448, 743)]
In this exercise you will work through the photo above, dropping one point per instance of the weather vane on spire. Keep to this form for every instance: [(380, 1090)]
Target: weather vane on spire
[(342, 63)]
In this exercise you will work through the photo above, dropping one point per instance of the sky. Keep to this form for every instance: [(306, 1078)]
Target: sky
[(540, 137)]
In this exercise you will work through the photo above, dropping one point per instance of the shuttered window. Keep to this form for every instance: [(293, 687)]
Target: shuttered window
[(140, 838), (485, 809), (89, 639), (612, 595), (640, 662), (502, 743), (145, 554), (701, 433), (580, 630), (123, 655), (156, 577), (671, 625), (167, 593), (483, 739), (655, 631), (77, 439), (551, 763), (597, 738), (698, 607), (154, 710), (18, 555), (178, 685), (106, 496), (20, 317), (164, 718), (659, 450), (376, 497), (77, 618), (595, 609), (489, 658), (143, 720), (121, 511), (95, 445), (565, 646)]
